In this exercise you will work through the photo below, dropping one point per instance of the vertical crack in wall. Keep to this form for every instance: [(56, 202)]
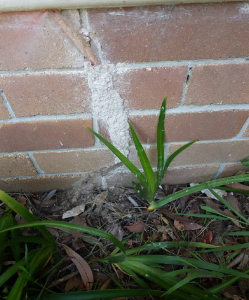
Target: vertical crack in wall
[(108, 107)]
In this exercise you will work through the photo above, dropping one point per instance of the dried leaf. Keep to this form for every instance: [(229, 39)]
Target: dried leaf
[(238, 186), (82, 266), (244, 263), (74, 283), (178, 225), (74, 212), (234, 203), (185, 222), (47, 203), (207, 237), (173, 216), (105, 285), (243, 285), (234, 297), (137, 227), (22, 200), (99, 201), (91, 240), (164, 219), (79, 221), (53, 231), (210, 203), (117, 232), (192, 226), (166, 230), (77, 244)]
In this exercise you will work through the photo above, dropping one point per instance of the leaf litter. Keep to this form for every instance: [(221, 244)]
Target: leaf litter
[(122, 212)]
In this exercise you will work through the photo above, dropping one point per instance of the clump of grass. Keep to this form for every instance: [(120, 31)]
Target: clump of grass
[(147, 180), (27, 280)]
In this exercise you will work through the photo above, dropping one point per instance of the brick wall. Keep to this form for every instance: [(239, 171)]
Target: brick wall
[(61, 71)]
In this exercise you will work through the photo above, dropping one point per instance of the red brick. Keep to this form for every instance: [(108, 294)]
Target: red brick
[(46, 94), (45, 135), (246, 133), (151, 152), (195, 174), (173, 175), (157, 33), (146, 88), (209, 153), (218, 84), (16, 165), (40, 183), (73, 160), (34, 40), (3, 112), (190, 126), (232, 170)]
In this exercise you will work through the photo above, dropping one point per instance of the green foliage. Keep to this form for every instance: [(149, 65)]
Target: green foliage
[(143, 269), (147, 181), (216, 183), (245, 162)]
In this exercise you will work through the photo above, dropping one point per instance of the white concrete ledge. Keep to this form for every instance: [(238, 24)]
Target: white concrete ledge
[(26, 5)]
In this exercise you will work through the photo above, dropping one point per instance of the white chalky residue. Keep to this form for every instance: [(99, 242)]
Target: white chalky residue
[(244, 8), (107, 105), (221, 193)]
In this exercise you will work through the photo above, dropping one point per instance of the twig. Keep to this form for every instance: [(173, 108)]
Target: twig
[(63, 279)]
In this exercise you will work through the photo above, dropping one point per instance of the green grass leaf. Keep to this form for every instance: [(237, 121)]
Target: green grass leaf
[(24, 213), (160, 142), (144, 162), (189, 278), (228, 189), (237, 233), (173, 155), (224, 202), (65, 226), (172, 260), (24, 239), (211, 210), (204, 216), (99, 294), (129, 165), (210, 184), (167, 245), (139, 191), (155, 275), (228, 248), (245, 162)]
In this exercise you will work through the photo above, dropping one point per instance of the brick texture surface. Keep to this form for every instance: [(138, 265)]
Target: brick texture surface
[(246, 133), (151, 152), (232, 169), (34, 40), (179, 32), (173, 176), (40, 183), (208, 153), (218, 84), (3, 111), (46, 94), (45, 135), (191, 126), (73, 161), (146, 88), (190, 174), (16, 165)]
